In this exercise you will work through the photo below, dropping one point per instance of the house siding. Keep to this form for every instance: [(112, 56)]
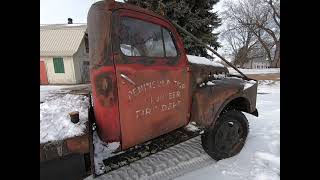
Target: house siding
[(78, 58), (68, 77), (257, 63)]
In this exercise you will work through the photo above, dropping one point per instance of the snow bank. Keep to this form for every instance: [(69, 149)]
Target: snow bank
[(269, 83), (268, 86), (46, 91), (269, 159), (192, 127), (102, 151), (55, 123), (209, 83), (248, 84), (202, 60), (255, 71)]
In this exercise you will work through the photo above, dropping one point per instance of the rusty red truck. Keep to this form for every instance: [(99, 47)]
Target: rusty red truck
[(145, 88), (143, 85)]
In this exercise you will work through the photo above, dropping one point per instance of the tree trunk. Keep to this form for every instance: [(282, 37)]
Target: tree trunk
[(275, 63), (278, 64), (264, 45)]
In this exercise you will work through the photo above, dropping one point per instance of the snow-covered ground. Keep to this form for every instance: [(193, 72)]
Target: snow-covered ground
[(55, 106), (256, 71), (102, 151), (55, 123), (258, 160), (48, 91), (260, 157)]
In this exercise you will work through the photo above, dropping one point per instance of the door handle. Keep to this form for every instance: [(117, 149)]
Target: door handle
[(127, 78)]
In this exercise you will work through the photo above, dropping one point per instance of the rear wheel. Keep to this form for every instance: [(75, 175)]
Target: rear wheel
[(227, 137)]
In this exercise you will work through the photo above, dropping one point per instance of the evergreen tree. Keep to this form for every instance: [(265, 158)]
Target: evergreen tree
[(196, 16)]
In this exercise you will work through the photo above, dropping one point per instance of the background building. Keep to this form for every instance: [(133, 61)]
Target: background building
[(64, 58)]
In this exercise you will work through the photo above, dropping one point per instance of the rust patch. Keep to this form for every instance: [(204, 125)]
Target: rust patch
[(42, 153), (78, 144), (102, 72), (159, 102), (104, 89), (105, 100), (207, 101), (99, 35), (52, 150), (202, 73)]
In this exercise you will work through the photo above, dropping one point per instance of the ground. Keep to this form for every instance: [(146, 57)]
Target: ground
[(56, 102), (260, 74), (49, 91), (258, 160)]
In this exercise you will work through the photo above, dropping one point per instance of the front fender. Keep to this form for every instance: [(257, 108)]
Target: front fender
[(211, 99)]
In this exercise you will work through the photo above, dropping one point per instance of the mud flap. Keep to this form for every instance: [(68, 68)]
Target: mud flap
[(255, 113)]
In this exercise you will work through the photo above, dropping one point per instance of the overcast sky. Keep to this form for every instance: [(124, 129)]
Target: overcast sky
[(58, 11)]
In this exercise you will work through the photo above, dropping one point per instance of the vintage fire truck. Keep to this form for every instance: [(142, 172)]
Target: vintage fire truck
[(145, 89), (143, 85)]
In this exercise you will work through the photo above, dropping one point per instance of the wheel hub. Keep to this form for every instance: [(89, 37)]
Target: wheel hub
[(228, 136)]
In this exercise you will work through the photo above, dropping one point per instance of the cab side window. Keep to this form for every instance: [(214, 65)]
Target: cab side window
[(140, 38), (171, 50)]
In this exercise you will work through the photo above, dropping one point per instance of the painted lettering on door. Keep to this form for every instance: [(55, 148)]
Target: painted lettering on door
[(159, 96)]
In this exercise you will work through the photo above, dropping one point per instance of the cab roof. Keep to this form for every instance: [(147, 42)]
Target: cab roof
[(113, 5)]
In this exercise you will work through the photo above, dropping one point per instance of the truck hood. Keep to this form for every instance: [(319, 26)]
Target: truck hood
[(203, 61), (202, 69)]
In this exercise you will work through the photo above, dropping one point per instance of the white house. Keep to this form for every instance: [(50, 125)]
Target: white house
[(64, 57), (257, 63)]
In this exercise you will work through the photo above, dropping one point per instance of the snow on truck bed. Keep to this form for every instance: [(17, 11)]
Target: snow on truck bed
[(55, 123)]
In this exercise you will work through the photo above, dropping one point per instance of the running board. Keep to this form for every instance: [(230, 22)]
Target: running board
[(151, 147)]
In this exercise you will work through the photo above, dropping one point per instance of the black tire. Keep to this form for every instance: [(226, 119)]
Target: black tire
[(227, 137)]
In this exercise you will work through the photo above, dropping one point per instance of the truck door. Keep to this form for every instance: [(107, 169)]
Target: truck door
[(152, 76)]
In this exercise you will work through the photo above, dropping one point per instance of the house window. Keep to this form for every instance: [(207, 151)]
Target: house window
[(58, 65), (141, 38)]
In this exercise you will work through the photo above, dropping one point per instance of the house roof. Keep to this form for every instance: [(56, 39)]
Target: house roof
[(61, 39)]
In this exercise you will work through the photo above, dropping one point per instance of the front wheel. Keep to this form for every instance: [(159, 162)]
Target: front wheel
[(227, 137)]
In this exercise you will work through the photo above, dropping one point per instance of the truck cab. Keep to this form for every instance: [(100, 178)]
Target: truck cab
[(143, 85), (140, 74)]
